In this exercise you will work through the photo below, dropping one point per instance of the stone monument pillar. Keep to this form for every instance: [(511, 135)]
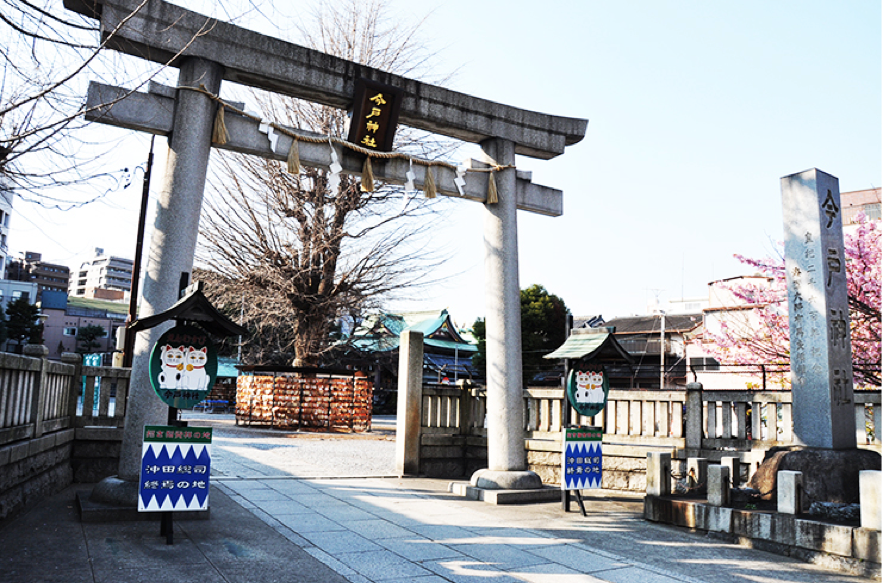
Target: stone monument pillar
[(817, 295), (825, 449)]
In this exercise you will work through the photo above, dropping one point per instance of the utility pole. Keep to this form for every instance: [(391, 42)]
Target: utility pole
[(129, 346), (661, 351)]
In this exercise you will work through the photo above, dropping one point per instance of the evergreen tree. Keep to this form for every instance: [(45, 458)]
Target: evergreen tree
[(87, 337), (22, 324), (543, 328)]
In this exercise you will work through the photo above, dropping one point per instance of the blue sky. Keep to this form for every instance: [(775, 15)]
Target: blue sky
[(696, 110)]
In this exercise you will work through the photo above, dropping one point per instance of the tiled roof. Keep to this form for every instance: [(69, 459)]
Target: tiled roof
[(648, 324)]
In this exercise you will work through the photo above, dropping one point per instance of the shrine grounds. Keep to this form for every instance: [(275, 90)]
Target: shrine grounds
[(324, 507)]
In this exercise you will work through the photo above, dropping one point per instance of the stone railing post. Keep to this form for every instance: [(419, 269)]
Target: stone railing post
[(410, 403), (39, 396), (75, 360), (694, 419), (466, 408)]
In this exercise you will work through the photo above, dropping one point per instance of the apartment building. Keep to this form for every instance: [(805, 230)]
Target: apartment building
[(103, 277), (47, 276)]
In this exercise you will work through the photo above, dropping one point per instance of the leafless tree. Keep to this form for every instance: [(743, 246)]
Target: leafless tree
[(294, 253), (48, 55)]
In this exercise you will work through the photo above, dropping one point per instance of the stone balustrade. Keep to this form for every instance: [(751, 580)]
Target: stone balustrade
[(59, 422), (739, 424)]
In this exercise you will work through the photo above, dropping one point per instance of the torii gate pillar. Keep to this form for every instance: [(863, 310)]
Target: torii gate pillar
[(506, 457), (173, 244)]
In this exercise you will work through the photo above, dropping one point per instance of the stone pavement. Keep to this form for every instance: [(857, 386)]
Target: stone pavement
[(269, 526)]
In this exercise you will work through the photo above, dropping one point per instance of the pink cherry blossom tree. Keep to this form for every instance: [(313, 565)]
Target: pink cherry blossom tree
[(761, 334)]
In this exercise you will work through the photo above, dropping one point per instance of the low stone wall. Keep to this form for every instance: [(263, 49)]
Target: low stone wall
[(847, 548), (95, 454), (32, 469), (624, 468), (444, 455), (452, 456)]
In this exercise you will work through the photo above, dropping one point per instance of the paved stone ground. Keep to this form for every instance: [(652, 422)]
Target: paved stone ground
[(274, 520), (250, 452)]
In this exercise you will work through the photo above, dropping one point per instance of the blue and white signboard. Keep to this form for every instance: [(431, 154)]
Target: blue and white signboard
[(175, 469), (582, 458)]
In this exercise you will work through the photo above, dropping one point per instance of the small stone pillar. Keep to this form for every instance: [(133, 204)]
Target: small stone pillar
[(76, 384), (789, 486), (696, 470), (658, 474), (410, 403), (38, 399), (734, 465), (694, 418), (871, 499), (718, 485)]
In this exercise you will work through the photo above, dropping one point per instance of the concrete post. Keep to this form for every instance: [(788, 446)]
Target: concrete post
[(789, 485), (505, 416), (718, 485), (658, 474), (696, 469), (410, 403), (871, 499), (173, 243), (734, 465), (694, 418)]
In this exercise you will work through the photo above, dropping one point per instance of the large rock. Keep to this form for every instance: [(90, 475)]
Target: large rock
[(827, 475)]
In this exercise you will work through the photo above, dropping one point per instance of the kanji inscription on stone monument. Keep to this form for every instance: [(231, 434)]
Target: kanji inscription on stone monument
[(820, 342)]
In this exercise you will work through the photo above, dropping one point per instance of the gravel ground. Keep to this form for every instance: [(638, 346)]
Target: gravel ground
[(252, 452)]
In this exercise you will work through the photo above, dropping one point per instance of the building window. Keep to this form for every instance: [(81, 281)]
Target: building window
[(70, 331)]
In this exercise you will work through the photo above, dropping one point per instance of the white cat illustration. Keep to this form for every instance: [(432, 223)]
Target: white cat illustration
[(195, 377), (172, 358), (589, 386)]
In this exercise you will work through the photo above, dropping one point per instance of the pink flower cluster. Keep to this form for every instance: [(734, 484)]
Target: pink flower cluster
[(763, 337)]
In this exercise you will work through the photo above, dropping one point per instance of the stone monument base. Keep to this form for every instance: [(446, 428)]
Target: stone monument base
[(506, 480), (505, 487), (828, 475), (114, 491), (116, 500)]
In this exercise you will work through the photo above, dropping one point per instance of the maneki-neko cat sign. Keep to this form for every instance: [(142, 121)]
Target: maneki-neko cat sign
[(183, 366), (588, 389)]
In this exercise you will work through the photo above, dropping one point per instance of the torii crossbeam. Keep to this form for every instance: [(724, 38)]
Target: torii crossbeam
[(208, 51)]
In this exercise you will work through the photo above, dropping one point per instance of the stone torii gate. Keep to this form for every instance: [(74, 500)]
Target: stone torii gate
[(207, 51)]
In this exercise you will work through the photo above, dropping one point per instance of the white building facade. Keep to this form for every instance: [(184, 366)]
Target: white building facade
[(103, 277)]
